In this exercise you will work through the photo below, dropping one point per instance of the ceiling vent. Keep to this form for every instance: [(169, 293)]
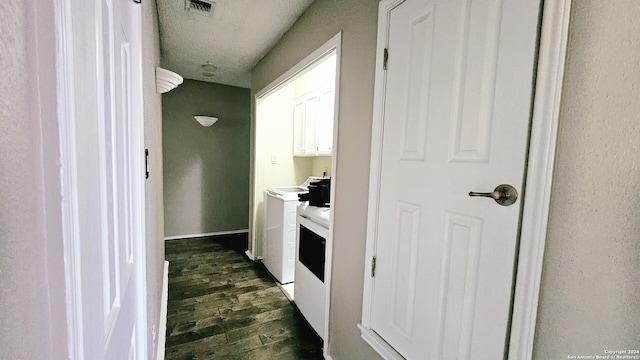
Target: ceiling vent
[(200, 7)]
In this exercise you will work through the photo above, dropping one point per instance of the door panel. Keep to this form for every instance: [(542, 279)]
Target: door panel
[(417, 75), (110, 253), (121, 343), (475, 75), (458, 284), (120, 178), (404, 266), (456, 115)]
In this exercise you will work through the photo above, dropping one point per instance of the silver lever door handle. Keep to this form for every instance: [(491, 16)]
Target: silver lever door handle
[(503, 194)]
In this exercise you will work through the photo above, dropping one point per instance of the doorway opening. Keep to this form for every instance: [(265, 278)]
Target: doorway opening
[(294, 134), (295, 142)]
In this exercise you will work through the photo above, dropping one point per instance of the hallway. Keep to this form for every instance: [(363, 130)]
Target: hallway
[(223, 306)]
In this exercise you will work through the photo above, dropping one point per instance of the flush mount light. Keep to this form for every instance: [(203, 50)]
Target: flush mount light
[(205, 121)]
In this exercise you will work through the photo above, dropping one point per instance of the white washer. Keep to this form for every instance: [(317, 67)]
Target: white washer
[(279, 231)]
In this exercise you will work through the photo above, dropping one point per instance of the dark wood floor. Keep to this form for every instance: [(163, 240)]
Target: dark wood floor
[(223, 306)]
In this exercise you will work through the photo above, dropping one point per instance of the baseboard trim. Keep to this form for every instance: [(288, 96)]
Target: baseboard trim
[(162, 324), (251, 256), (231, 232)]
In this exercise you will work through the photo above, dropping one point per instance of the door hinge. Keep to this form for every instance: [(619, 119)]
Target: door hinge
[(137, 1), (373, 267), (385, 59)]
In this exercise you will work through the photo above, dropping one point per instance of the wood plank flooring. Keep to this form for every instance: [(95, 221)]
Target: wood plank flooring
[(224, 306)]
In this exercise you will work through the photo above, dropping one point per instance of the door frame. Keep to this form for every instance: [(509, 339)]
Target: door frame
[(334, 43), (67, 98), (539, 175)]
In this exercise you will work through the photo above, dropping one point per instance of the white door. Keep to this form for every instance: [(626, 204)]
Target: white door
[(113, 300), (456, 116)]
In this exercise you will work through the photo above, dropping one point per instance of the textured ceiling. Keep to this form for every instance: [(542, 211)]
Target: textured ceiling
[(233, 38)]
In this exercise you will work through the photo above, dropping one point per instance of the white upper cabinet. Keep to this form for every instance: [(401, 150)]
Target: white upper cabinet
[(313, 123), (324, 123)]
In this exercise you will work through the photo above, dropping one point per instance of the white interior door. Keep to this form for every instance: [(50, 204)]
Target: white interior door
[(114, 269), (456, 116)]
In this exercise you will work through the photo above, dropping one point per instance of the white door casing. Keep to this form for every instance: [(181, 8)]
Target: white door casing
[(101, 133), (455, 119)]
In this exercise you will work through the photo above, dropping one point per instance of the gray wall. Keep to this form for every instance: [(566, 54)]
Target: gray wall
[(32, 289), (591, 273), (357, 19), (206, 170), (154, 214)]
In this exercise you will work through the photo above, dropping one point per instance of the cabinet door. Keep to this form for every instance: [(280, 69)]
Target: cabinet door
[(309, 125), (298, 128), (304, 127), (324, 123), (313, 124)]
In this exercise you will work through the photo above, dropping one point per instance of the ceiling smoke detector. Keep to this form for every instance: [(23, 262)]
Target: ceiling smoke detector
[(208, 69), (208, 66), (200, 7)]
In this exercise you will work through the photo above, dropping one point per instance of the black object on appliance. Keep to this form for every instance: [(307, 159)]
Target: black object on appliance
[(320, 193)]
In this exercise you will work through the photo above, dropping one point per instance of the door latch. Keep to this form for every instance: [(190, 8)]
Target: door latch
[(503, 194)]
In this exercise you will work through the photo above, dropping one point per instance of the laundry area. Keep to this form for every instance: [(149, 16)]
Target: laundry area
[(294, 141)]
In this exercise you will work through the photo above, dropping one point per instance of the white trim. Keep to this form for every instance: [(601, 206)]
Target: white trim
[(547, 96), (68, 175), (328, 264), (162, 323), (334, 43), (138, 179), (542, 148), (378, 344), (250, 255), (384, 10), (230, 232), (301, 65)]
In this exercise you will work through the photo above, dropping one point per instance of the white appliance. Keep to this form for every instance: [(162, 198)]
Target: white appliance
[(279, 229), (312, 235)]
